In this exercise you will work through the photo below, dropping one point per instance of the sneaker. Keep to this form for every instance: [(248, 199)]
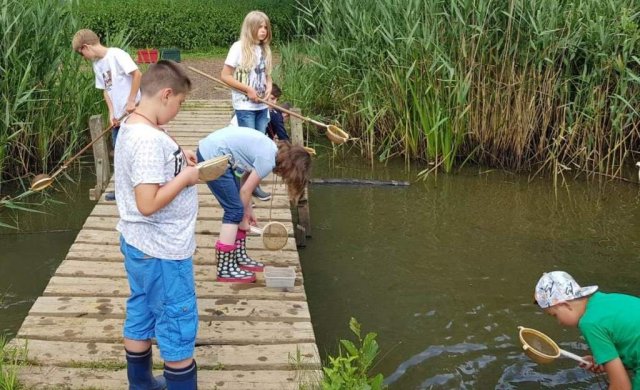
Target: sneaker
[(110, 196), (260, 194)]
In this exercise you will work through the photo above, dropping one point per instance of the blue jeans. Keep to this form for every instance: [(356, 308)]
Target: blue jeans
[(254, 119), (162, 303), (227, 191)]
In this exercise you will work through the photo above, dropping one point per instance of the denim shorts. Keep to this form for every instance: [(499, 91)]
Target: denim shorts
[(258, 119), (162, 303), (227, 192)]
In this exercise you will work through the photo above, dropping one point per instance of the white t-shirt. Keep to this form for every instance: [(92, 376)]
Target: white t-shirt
[(255, 78), (249, 149), (147, 155), (112, 74)]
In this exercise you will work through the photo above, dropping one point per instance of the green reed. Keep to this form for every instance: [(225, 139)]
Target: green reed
[(522, 84), (47, 89)]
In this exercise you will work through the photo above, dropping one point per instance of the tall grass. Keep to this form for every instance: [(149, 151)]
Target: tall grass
[(46, 89), (522, 84)]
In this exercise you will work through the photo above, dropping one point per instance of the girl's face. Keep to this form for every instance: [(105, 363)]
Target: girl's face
[(262, 31)]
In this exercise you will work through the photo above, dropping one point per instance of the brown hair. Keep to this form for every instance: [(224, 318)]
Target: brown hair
[(293, 164), (164, 74), (84, 37)]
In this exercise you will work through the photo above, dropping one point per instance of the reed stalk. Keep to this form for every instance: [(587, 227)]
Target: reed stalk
[(528, 85), (47, 90)]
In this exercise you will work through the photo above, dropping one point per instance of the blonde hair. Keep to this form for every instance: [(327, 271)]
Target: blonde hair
[(164, 74), (249, 38), (84, 37), (293, 164)]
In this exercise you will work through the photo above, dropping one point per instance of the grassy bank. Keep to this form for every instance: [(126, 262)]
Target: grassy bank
[(47, 90), (524, 85)]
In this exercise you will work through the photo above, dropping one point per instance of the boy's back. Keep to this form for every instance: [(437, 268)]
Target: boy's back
[(147, 155), (611, 326)]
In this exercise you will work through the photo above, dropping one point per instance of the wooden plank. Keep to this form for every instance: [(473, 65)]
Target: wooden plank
[(109, 330), (202, 256), (230, 357), (208, 309), (202, 226), (62, 286), (248, 334), (112, 269), (202, 240), (204, 213), (51, 377)]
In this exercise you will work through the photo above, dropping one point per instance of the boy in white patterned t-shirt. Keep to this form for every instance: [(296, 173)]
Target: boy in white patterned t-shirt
[(158, 204)]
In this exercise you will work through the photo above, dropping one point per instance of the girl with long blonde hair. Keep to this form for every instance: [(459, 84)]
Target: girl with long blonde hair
[(247, 68)]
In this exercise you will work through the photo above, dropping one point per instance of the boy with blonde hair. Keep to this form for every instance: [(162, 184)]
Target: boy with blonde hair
[(158, 204), (115, 74), (610, 323)]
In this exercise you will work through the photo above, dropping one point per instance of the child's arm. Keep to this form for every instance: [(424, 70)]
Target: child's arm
[(136, 76), (248, 185), (152, 197), (107, 99), (267, 92), (227, 76), (618, 376)]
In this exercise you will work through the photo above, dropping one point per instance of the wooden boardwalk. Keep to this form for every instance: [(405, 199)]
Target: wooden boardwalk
[(250, 336)]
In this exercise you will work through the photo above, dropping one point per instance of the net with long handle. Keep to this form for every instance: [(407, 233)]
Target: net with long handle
[(274, 234)]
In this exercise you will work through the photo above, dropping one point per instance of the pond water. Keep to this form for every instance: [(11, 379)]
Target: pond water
[(30, 256), (443, 270)]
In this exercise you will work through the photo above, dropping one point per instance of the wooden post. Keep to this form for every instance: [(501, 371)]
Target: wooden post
[(297, 137), (100, 157), (303, 228)]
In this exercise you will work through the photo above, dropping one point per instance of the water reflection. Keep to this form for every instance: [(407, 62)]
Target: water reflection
[(444, 270)]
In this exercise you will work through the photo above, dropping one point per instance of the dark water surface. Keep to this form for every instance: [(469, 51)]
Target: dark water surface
[(30, 256), (444, 270)]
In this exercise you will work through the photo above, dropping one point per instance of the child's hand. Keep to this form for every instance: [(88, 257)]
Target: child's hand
[(115, 122), (131, 106), (250, 217), (592, 366), (190, 175), (253, 95), (191, 157)]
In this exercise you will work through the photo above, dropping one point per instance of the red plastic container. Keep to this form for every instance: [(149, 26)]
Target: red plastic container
[(147, 56)]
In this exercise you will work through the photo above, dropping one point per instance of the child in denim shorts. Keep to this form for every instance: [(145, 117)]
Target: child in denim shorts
[(257, 155), (158, 204)]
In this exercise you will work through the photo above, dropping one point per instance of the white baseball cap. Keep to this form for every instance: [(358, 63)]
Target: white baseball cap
[(558, 286)]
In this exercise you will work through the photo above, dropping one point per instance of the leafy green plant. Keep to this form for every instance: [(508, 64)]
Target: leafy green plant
[(185, 24), (350, 369)]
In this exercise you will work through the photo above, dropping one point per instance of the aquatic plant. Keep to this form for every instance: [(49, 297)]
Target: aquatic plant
[(46, 89), (11, 358), (525, 85), (350, 369)]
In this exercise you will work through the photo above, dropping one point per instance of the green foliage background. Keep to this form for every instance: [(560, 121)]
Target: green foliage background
[(185, 24)]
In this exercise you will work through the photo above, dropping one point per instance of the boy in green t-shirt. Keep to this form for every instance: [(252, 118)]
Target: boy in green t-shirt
[(610, 323)]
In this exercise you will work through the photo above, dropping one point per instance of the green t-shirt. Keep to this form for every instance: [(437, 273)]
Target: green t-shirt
[(611, 326)]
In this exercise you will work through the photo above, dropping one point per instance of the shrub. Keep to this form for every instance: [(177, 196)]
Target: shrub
[(186, 24)]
